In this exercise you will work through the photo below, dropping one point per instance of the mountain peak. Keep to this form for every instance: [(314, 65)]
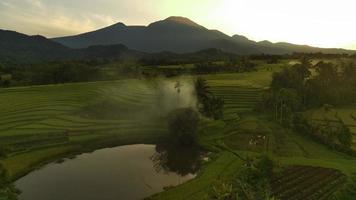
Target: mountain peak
[(265, 42), (182, 20), (241, 38), (118, 25)]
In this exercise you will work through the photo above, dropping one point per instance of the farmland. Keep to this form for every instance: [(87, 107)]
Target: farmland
[(45, 121), (317, 183), (42, 124)]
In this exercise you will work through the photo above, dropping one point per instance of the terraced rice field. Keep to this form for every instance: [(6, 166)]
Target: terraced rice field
[(241, 92), (237, 99), (47, 117), (302, 182)]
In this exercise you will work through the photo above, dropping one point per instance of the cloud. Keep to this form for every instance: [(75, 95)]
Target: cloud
[(38, 17), (36, 3)]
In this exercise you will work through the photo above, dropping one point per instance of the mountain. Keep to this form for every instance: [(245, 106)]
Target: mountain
[(181, 35), (175, 34), (20, 48)]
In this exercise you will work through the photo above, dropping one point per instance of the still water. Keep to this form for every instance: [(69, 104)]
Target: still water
[(126, 172)]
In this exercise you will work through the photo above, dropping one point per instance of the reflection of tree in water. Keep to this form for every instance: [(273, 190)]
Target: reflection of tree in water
[(183, 160)]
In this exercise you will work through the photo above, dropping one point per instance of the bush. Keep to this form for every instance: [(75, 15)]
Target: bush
[(183, 126), (223, 191), (253, 181), (265, 165), (345, 136)]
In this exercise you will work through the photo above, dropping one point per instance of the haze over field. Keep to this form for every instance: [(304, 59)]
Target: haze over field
[(317, 23)]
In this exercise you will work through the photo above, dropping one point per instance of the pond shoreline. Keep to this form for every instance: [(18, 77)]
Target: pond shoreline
[(81, 148), (139, 170)]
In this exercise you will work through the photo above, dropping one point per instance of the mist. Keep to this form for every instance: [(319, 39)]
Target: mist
[(175, 94), (144, 100)]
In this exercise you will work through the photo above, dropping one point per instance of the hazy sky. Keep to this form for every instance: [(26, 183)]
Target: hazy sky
[(324, 23)]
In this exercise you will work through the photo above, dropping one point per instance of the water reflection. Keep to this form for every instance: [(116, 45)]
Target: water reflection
[(125, 172), (172, 157)]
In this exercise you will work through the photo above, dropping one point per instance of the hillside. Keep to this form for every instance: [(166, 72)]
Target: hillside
[(20, 48), (181, 35), (17, 46)]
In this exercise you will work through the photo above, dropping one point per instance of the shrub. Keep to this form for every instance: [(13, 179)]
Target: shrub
[(223, 191)]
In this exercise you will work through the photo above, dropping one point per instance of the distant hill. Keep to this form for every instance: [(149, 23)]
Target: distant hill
[(20, 48), (172, 39), (181, 35), (17, 46)]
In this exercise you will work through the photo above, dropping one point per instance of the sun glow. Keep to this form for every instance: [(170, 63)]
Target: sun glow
[(320, 23)]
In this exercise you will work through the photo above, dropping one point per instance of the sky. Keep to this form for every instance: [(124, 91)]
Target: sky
[(322, 23)]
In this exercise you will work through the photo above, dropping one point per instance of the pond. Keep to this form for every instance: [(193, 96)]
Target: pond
[(126, 172)]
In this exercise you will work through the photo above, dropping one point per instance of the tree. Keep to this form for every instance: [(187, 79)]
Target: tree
[(345, 136), (213, 107), (183, 125), (286, 103), (327, 73), (173, 157), (208, 104), (201, 89)]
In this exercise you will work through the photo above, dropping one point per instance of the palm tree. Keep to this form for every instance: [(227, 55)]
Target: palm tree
[(201, 89)]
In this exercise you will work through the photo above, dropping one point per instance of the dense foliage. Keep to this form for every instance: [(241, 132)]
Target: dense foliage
[(183, 126), (252, 182), (295, 89), (209, 105), (335, 134)]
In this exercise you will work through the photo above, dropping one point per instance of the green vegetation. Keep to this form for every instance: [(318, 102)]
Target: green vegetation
[(45, 122), (300, 182), (295, 90), (209, 105), (40, 124), (183, 126), (7, 190)]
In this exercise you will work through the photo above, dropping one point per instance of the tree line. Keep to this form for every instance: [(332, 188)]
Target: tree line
[(295, 89)]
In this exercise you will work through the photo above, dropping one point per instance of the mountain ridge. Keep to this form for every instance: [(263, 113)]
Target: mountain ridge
[(182, 35)]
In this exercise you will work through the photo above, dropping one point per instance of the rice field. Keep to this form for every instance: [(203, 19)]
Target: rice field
[(51, 117), (44, 122), (241, 92), (302, 182), (54, 109)]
